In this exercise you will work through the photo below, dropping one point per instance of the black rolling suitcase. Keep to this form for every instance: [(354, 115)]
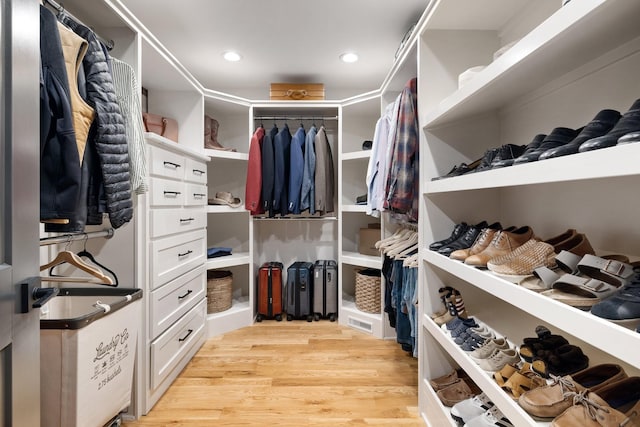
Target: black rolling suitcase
[(325, 290), (299, 291), (270, 301)]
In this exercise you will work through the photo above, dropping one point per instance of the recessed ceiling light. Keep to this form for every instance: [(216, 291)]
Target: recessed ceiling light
[(232, 56), (349, 57)]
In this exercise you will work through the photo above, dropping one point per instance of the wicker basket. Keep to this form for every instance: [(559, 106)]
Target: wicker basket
[(219, 290), (368, 291)]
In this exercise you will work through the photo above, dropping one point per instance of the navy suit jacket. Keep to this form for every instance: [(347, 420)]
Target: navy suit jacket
[(281, 145), (296, 168), (268, 174)]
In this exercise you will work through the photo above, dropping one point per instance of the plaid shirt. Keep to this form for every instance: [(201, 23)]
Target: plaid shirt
[(402, 183)]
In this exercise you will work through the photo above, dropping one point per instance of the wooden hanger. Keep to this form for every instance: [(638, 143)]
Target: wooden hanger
[(74, 260)]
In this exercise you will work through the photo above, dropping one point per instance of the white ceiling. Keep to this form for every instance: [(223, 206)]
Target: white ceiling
[(281, 40)]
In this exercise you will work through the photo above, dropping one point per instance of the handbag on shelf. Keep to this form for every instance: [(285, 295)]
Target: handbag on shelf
[(163, 126)]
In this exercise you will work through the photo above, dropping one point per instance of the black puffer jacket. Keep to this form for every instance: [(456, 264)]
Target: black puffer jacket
[(108, 134)]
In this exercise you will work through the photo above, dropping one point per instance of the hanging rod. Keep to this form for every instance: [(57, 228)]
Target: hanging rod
[(109, 44), (66, 238), (295, 118)]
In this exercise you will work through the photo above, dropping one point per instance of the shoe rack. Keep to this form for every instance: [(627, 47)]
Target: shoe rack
[(568, 63)]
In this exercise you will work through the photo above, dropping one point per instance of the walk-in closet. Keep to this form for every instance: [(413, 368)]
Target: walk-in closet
[(445, 238)]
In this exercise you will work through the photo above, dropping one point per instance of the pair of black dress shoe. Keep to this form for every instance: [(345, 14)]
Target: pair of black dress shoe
[(462, 237)]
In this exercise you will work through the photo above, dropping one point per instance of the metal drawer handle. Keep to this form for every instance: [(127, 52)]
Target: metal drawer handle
[(199, 172), (185, 254), (175, 165), (172, 193), (185, 295), (189, 331), (199, 195), (186, 219)]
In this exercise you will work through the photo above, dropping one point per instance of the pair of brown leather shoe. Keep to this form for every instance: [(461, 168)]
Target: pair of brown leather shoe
[(454, 387)]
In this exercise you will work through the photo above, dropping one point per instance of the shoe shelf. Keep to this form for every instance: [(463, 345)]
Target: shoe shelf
[(226, 155), (240, 258), (484, 380), (599, 164), (574, 35), (598, 332), (213, 209)]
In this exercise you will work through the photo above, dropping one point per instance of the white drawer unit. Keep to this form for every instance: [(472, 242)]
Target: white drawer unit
[(195, 171), (175, 255), (175, 224), (195, 195), (165, 192), (169, 303), (168, 350), (166, 164), (172, 221)]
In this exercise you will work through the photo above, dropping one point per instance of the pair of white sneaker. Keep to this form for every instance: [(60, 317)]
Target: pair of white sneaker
[(479, 411)]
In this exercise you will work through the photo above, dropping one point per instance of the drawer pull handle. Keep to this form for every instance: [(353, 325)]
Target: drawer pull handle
[(185, 253), (199, 172), (172, 193), (175, 165), (186, 219), (185, 295), (199, 195), (189, 331)]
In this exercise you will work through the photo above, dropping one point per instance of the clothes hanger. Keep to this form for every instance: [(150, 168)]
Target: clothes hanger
[(402, 245), (70, 258), (86, 254), (393, 238)]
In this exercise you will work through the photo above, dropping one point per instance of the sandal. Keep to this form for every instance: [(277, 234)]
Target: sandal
[(564, 360), (545, 341), (503, 375), (599, 278), (522, 381)]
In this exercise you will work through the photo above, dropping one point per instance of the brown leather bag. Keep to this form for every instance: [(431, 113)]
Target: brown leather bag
[(163, 126)]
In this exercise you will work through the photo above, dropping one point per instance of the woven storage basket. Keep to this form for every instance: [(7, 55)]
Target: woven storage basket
[(368, 291), (219, 289)]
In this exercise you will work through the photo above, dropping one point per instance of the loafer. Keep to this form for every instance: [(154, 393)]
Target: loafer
[(533, 145), (617, 404), (460, 169), (471, 408), (464, 241), (457, 232), (551, 400), (502, 243), (448, 379), (629, 122), (482, 241), (556, 138), (602, 123), (462, 389)]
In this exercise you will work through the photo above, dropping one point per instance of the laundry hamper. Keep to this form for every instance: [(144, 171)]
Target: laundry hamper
[(88, 340), (219, 290), (368, 290)]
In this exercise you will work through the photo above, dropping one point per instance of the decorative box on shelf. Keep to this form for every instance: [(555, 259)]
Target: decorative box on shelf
[(297, 91)]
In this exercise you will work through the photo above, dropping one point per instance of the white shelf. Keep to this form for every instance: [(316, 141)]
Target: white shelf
[(225, 209), (484, 380), (228, 155), (354, 208), (355, 258), (356, 155), (576, 34), (238, 316), (598, 332), (232, 260), (606, 163), (168, 144)]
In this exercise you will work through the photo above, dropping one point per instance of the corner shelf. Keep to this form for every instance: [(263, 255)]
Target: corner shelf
[(232, 260), (355, 258), (356, 155), (226, 155)]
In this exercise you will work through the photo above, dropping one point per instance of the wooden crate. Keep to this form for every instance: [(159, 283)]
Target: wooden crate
[(297, 91)]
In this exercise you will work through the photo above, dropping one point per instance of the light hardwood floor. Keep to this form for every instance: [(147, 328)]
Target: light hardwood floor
[(292, 374)]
